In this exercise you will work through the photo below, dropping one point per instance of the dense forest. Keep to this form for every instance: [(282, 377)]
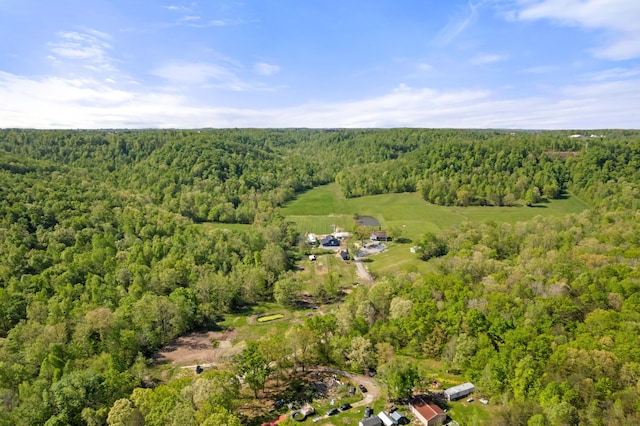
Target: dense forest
[(102, 262)]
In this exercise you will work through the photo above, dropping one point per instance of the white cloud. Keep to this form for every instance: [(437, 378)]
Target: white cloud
[(264, 68), (88, 47), (457, 25), (618, 18), (612, 74), (88, 103), (194, 22), (177, 8), (488, 59), (193, 73), (206, 75), (189, 18), (425, 67)]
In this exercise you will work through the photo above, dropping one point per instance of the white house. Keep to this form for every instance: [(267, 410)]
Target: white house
[(459, 391), (386, 419)]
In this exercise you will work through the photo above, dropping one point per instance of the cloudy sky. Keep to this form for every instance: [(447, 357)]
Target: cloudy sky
[(541, 64)]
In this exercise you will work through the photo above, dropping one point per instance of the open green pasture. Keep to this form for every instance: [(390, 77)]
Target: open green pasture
[(319, 209), (326, 205), (247, 326), (314, 274), (321, 224)]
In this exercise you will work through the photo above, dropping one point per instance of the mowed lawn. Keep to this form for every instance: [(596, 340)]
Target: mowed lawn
[(326, 205)]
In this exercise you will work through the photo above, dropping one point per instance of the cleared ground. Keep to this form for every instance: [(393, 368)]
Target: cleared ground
[(197, 347)]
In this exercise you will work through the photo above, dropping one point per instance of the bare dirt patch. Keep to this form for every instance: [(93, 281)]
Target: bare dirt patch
[(196, 347), (321, 268)]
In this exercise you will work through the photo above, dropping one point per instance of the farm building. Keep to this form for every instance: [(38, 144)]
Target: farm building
[(370, 421), (344, 255), (379, 236), (459, 391), (342, 235), (330, 241), (426, 411), (399, 418), (386, 419), (311, 238)]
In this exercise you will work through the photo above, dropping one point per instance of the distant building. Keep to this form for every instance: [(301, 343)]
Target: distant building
[(426, 411), (459, 391), (330, 241), (386, 419), (342, 235), (577, 136), (399, 418), (370, 421), (311, 238), (379, 236)]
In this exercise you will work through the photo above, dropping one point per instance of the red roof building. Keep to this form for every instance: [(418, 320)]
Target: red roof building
[(427, 412), (275, 422)]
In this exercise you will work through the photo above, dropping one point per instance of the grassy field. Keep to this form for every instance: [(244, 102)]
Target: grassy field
[(249, 328), (409, 211), (316, 224), (321, 208)]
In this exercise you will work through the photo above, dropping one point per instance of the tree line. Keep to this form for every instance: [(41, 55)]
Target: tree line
[(102, 262)]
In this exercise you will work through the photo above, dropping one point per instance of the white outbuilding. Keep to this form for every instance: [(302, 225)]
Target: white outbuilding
[(459, 391)]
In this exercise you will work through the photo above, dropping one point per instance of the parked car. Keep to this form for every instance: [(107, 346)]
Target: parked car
[(362, 388), (345, 407), (333, 412)]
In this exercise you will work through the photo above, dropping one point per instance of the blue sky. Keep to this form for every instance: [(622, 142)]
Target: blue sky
[(531, 64)]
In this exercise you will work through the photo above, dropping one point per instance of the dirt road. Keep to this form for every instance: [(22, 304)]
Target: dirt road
[(362, 271), (373, 391)]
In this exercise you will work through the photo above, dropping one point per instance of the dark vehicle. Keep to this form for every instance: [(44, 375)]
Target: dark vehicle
[(333, 412), (362, 388), (345, 407), (368, 412)]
